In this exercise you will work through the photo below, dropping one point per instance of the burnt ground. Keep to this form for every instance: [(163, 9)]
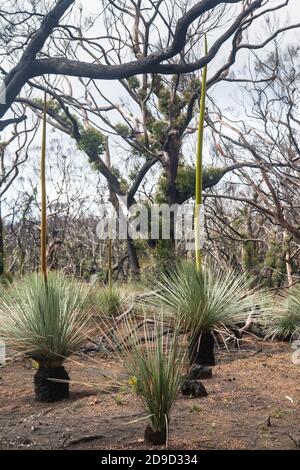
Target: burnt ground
[(253, 403)]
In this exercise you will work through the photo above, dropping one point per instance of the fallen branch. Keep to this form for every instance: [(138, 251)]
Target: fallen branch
[(297, 443)]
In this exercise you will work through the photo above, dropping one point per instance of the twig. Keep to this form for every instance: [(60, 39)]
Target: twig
[(297, 443), (81, 439)]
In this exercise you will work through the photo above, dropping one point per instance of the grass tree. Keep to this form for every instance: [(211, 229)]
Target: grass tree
[(43, 316), (284, 323), (109, 301), (154, 362), (203, 298), (47, 323), (203, 301), (204, 342)]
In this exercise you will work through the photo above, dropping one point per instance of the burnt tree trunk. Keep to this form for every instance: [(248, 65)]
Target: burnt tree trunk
[(131, 248), (172, 152), (156, 438), (133, 257), (47, 390)]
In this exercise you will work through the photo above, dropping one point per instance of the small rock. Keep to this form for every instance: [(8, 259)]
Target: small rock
[(26, 442), (89, 347)]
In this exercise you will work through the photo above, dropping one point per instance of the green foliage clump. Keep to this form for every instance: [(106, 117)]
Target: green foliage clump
[(211, 176), (185, 182), (160, 260), (122, 130), (133, 83), (250, 259), (124, 186), (92, 142), (158, 130), (108, 302), (53, 106)]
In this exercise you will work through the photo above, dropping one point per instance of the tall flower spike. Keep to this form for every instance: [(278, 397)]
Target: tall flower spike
[(199, 164), (44, 194)]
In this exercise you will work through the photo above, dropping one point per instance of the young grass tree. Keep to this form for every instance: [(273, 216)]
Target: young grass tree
[(284, 323), (109, 302), (46, 323), (154, 362)]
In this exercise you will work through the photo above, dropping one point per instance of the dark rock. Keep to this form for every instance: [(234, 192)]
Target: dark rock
[(193, 388), (198, 372)]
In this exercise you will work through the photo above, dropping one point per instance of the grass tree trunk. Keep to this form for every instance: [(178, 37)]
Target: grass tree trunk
[(51, 383), (201, 349)]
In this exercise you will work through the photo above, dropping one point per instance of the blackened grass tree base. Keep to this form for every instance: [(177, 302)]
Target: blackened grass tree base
[(156, 438), (202, 349), (48, 390)]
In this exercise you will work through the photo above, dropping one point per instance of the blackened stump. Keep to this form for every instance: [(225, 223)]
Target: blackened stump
[(47, 390), (156, 438), (202, 352), (193, 389)]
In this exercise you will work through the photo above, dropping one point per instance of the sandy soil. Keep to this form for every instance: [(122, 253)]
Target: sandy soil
[(253, 403)]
